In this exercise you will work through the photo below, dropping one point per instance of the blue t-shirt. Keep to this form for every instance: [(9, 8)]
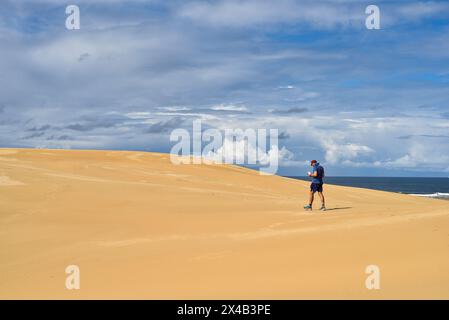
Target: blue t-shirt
[(319, 177)]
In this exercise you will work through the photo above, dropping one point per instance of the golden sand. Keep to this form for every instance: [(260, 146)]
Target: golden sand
[(140, 227)]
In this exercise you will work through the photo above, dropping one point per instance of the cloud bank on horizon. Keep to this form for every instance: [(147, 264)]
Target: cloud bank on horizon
[(364, 102)]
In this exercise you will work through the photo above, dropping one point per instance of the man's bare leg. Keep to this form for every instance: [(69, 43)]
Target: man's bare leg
[(323, 204), (311, 197)]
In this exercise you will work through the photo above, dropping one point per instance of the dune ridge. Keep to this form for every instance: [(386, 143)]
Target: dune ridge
[(140, 227)]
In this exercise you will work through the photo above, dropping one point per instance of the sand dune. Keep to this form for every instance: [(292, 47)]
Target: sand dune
[(140, 227)]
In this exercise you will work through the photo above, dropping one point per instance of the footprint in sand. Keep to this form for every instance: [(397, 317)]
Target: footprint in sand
[(5, 152), (7, 181)]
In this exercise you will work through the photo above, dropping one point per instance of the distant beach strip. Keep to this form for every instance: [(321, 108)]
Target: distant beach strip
[(437, 195), (437, 188)]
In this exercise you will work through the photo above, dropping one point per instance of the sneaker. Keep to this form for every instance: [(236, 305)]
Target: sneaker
[(308, 207), (323, 208)]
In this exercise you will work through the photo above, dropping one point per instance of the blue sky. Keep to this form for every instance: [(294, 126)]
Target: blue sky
[(363, 102)]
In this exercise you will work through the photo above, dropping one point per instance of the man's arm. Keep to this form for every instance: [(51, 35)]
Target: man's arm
[(314, 173)]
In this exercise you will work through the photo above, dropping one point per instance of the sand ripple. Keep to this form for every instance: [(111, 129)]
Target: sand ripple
[(7, 181)]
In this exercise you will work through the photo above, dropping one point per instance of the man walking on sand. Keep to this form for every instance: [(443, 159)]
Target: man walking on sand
[(317, 175)]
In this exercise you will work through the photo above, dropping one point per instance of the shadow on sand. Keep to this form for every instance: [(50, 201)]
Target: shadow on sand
[(340, 208)]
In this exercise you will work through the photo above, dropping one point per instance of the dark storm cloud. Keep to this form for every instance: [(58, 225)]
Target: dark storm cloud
[(39, 128), (34, 135), (434, 136), (437, 136), (407, 137), (83, 56), (284, 135), (291, 110), (60, 138), (212, 111), (165, 126), (96, 121)]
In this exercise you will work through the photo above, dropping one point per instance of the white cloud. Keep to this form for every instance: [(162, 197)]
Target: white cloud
[(286, 87), (336, 153), (138, 115), (240, 150), (417, 10), (421, 155), (228, 107), (235, 14)]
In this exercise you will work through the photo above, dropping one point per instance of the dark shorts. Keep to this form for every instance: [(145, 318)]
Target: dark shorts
[(316, 187)]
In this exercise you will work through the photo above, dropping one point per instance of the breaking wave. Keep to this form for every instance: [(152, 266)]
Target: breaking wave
[(437, 195)]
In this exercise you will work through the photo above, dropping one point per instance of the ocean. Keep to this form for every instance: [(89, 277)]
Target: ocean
[(420, 187)]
